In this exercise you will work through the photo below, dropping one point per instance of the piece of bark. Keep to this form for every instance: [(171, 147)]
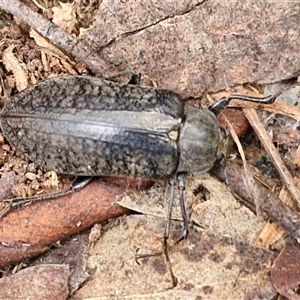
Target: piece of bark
[(195, 46), (42, 282), (30, 230), (73, 253), (6, 185)]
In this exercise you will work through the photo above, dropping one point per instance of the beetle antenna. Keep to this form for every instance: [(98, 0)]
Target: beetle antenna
[(221, 104)]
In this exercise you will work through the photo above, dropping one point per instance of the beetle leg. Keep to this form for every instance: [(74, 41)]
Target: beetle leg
[(185, 229), (5, 207), (135, 78), (165, 254), (165, 247), (168, 223), (169, 211), (78, 183), (181, 187)]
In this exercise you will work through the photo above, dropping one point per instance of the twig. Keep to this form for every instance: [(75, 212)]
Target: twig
[(249, 180), (264, 138)]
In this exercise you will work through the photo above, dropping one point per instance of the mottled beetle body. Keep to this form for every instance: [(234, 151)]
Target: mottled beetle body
[(81, 125), (87, 126)]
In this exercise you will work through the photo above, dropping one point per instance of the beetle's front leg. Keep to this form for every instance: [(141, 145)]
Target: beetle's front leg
[(169, 210), (181, 186)]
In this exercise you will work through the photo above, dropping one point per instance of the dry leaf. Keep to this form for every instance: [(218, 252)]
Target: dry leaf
[(65, 16), (285, 274), (206, 265), (12, 64)]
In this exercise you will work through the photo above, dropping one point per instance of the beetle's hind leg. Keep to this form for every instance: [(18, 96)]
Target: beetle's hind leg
[(78, 183)]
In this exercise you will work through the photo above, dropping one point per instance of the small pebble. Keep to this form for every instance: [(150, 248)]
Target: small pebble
[(6, 147), (31, 176)]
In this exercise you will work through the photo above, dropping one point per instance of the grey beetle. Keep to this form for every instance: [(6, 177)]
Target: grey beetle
[(86, 126)]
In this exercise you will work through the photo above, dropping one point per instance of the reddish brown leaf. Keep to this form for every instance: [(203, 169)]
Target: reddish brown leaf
[(285, 274)]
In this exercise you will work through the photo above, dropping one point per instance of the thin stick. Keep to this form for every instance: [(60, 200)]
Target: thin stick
[(249, 180), (264, 138)]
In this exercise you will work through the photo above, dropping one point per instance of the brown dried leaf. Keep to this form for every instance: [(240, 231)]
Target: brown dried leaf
[(285, 274), (48, 47), (12, 64), (65, 16), (206, 265), (237, 120)]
